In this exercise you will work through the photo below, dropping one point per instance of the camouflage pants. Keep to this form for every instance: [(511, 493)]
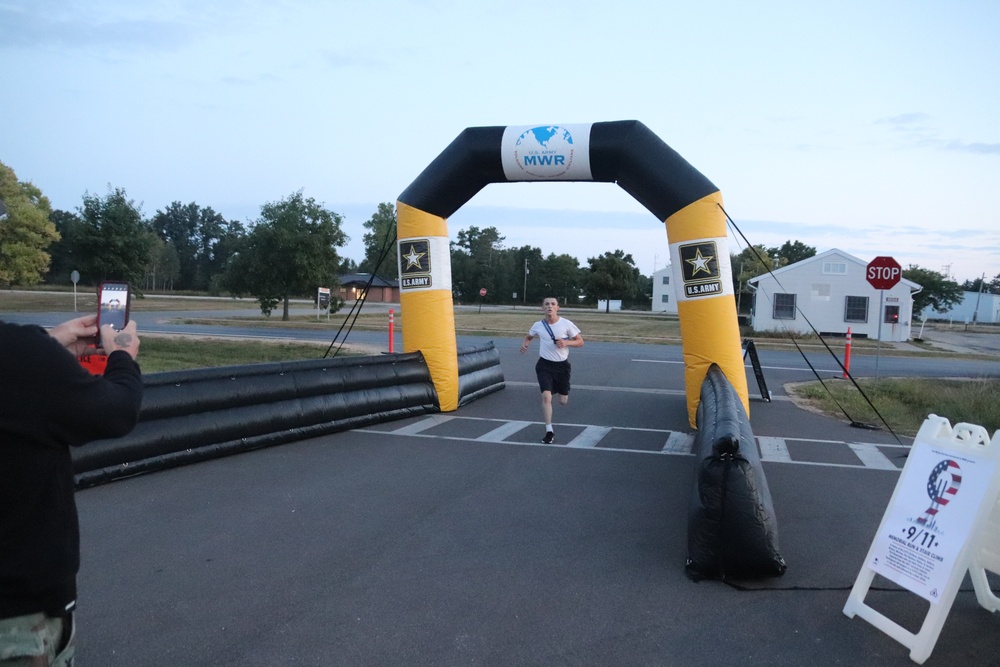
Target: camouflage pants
[(37, 640)]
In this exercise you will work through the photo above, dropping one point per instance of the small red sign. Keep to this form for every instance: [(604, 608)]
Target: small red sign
[(95, 363), (482, 291), (883, 273)]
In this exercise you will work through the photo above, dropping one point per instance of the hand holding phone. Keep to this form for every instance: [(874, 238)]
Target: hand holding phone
[(125, 340)]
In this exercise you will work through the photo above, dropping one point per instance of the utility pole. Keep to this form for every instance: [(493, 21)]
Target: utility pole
[(975, 313), (524, 296)]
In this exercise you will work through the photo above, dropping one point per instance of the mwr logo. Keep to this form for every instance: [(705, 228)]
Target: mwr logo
[(415, 264), (700, 266), (545, 151)]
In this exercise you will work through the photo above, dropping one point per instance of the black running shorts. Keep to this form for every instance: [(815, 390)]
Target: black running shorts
[(553, 376)]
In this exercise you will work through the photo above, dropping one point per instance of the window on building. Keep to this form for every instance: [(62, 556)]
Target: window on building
[(821, 291), (856, 309), (664, 298), (784, 307), (835, 268), (892, 314), (666, 280)]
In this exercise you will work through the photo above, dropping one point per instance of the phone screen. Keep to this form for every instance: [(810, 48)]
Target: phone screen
[(114, 305)]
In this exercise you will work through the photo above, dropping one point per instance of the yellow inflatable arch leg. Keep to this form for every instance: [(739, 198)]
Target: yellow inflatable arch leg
[(710, 332), (425, 297)]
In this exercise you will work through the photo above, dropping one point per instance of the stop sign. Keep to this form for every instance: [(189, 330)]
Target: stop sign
[(883, 272), (482, 291)]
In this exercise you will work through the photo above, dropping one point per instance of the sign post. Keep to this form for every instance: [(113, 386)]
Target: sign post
[(75, 278), (482, 294), (882, 273)]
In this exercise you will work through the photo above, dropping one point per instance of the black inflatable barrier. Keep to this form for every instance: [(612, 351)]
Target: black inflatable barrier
[(193, 415), (479, 372), (732, 532)]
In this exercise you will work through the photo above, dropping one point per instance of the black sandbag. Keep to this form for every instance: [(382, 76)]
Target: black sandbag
[(732, 532)]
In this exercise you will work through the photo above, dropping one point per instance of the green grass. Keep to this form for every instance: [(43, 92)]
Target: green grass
[(905, 402), (158, 354)]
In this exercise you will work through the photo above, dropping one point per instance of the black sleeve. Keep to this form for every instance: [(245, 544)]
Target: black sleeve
[(49, 392)]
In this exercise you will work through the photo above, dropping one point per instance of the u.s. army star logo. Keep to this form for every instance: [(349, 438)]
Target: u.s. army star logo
[(415, 263), (700, 268)]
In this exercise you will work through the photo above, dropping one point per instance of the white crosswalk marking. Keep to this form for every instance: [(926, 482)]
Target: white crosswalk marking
[(678, 443), (502, 432), (422, 425), (590, 436), (871, 456), (773, 449)]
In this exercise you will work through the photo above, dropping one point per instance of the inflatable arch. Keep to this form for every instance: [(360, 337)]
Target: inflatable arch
[(622, 152)]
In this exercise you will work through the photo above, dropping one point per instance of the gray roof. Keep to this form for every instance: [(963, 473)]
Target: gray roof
[(362, 279)]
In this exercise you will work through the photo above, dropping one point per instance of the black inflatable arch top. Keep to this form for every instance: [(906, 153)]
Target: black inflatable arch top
[(625, 152)]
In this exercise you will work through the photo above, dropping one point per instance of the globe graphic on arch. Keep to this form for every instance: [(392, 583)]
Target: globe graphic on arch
[(545, 151)]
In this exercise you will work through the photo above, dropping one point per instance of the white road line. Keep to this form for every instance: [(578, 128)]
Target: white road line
[(502, 432), (773, 449), (632, 390), (678, 443), (422, 425), (871, 456), (770, 368), (589, 437), (593, 387)]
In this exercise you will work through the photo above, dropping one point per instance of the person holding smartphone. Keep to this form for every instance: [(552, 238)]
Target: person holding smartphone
[(49, 403)]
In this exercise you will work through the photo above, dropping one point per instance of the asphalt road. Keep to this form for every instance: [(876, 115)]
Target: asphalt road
[(458, 539)]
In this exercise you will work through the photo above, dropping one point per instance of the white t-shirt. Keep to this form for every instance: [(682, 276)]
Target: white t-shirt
[(562, 329)]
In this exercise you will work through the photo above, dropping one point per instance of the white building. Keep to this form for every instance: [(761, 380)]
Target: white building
[(975, 307), (664, 300), (830, 291)]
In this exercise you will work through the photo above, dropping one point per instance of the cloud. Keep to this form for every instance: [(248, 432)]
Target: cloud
[(904, 119), (919, 133), (340, 60), (978, 148), (29, 29)]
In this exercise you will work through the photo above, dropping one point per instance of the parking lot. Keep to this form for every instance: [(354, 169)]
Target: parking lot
[(459, 539)]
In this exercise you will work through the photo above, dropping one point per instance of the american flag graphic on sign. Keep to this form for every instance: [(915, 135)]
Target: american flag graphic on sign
[(942, 485)]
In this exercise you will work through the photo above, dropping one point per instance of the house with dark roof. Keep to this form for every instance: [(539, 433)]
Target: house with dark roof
[(353, 287)]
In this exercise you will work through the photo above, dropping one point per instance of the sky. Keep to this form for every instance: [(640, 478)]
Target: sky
[(871, 127)]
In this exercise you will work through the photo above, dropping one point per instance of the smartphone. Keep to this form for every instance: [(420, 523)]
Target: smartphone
[(114, 301)]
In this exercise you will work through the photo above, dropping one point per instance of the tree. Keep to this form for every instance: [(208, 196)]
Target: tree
[(223, 248), (475, 263), (164, 265), (793, 252), (380, 244), (291, 249), (347, 265), (981, 285), (115, 242), (753, 261), (65, 251), (562, 277), (938, 291), (613, 274), (522, 272), (25, 231), (198, 235), (642, 299)]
